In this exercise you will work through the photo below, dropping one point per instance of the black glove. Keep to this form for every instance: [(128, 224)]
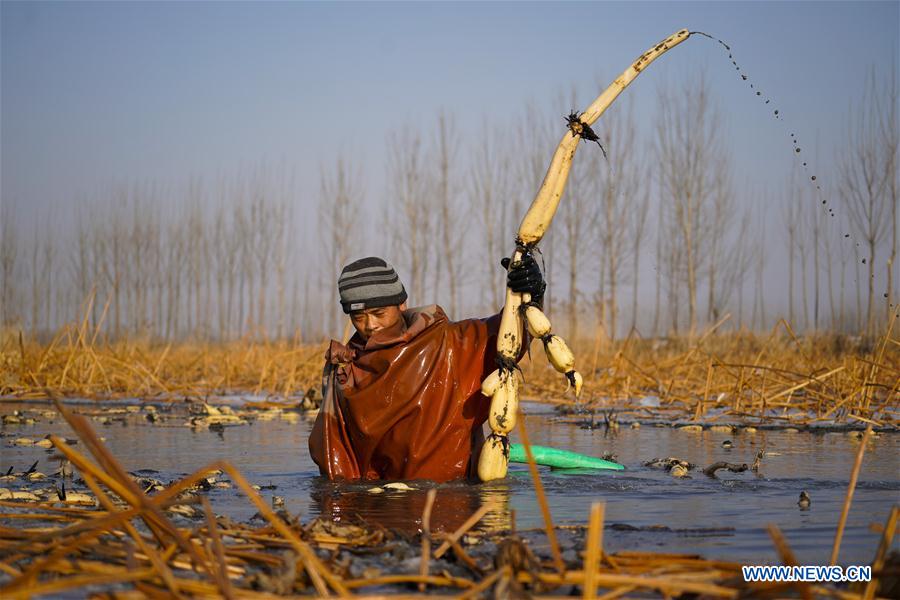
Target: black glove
[(525, 277)]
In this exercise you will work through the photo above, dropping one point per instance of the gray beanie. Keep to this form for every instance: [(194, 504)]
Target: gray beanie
[(370, 283)]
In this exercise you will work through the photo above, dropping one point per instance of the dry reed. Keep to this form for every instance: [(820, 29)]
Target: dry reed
[(131, 541), (715, 377)]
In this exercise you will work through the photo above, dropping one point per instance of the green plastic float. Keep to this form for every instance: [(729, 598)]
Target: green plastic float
[(560, 459)]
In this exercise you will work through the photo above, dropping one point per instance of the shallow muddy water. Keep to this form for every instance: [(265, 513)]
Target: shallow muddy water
[(646, 509)]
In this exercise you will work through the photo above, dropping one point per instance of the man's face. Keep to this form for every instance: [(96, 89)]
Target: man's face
[(371, 320)]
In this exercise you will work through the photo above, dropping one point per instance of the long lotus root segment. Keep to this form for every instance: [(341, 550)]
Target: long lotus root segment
[(501, 385)]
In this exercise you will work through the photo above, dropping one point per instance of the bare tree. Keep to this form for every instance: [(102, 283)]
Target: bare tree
[(195, 242), (488, 184), (222, 263), (101, 277), (280, 243), (658, 269), (340, 205), (759, 298), (48, 255), (673, 266), (616, 180), (244, 232), (81, 259), (35, 281), (450, 225), (175, 267), (140, 248), (802, 239), (856, 277), (815, 218), (232, 247), (412, 224), (575, 212), (687, 146), (791, 222), (262, 250), (636, 230), (720, 230), (890, 141), (109, 255), (9, 255), (865, 181)]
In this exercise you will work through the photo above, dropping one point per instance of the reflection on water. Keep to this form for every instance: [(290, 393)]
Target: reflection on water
[(402, 510), (645, 508)]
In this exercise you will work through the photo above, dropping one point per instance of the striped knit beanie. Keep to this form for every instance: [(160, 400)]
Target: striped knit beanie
[(370, 283)]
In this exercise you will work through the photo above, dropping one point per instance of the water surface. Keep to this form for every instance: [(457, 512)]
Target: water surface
[(646, 509)]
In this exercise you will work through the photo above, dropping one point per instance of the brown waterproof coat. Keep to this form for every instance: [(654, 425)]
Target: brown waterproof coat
[(407, 403)]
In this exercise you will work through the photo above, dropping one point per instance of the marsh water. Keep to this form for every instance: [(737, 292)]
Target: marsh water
[(646, 509)]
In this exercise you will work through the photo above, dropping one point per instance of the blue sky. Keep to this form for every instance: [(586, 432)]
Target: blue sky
[(99, 93), (95, 91)]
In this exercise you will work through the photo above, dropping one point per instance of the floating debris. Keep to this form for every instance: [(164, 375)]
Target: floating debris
[(18, 495), (710, 471), (194, 552), (668, 463), (722, 429), (397, 485), (691, 428), (678, 470)]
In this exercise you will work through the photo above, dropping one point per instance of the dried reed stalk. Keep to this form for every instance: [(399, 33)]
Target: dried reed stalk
[(222, 571), (426, 536), (851, 487), (462, 529), (788, 558), (594, 549), (541, 497), (887, 537)]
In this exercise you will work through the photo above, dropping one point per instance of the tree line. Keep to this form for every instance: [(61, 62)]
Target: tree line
[(651, 236)]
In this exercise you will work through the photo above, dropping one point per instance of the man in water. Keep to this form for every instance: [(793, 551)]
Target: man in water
[(402, 400)]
